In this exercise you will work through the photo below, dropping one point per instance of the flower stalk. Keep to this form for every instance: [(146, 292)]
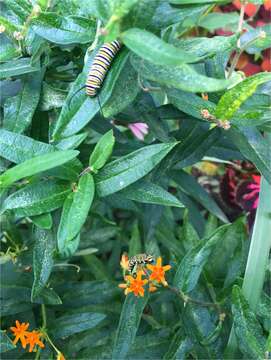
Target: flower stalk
[(258, 256)]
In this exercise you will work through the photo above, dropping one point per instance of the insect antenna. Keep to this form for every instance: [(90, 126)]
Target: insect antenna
[(100, 106), (76, 92)]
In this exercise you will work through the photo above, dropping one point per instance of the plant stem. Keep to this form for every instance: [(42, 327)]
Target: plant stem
[(44, 317), (239, 30), (186, 299), (258, 256), (259, 247)]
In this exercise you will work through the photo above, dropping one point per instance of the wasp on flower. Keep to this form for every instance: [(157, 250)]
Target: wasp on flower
[(142, 265)]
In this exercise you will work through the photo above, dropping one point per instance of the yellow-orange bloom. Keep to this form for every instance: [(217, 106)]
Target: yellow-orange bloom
[(152, 288), (33, 339), (124, 262), (20, 332), (158, 271), (134, 285), (60, 356)]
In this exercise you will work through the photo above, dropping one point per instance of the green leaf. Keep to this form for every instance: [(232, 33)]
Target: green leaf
[(19, 148), (19, 110), (195, 145), (205, 47), (131, 313), (36, 199), (43, 221), (75, 211), (48, 296), (52, 97), (135, 246), (231, 101), (64, 30), (254, 147), (9, 26), (192, 264), (216, 20), (246, 327), (18, 67), (77, 113), (141, 15), (258, 42), (190, 185), (162, 53), (182, 77), (71, 142), (124, 94), (42, 260), (36, 165), (149, 193), (179, 347), (184, 2), (21, 8), (191, 104), (127, 169), (102, 151), (68, 325), (5, 343), (8, 50)]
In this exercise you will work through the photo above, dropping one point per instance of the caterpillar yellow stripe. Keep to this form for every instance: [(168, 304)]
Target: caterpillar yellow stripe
[(100, 66)]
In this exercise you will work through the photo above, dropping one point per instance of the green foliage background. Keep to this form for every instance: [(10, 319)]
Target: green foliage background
[(55, 221)]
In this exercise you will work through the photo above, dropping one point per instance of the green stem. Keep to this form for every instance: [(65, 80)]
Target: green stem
[(258, 255), (43, 314)]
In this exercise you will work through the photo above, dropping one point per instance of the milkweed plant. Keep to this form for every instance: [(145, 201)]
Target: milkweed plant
[(135, 185)]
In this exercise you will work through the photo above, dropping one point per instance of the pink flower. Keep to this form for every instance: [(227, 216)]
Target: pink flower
[(139, 130)]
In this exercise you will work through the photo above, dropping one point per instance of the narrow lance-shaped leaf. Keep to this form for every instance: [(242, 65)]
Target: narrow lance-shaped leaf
[(36, 165), (75, 211), (254, 146), (36, 199), (191, 186), (231, 101), (5, 342), (182, 77), (135, 242), (191, 266), (64, 30), (19, 148), (131, 313), (43, 221), (126, 170), (246, 327), (150, 47), (19, 110), (102, 151), (124, 94), (149, 193), (68, 325), (206, 47), (17, 67), (42, 260), (185, 2)]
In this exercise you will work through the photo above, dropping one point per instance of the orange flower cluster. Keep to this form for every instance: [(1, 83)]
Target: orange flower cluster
[(154, 278), (31, 338)]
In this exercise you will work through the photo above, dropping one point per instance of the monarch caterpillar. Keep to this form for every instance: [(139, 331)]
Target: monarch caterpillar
[(99, 68), (139, 260)]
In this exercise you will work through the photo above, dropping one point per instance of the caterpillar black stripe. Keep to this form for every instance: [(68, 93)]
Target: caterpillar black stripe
[(100, 66)]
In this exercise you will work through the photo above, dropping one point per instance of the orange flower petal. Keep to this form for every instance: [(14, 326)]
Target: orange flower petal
[(159, 261), (166, 267), (122, 286)]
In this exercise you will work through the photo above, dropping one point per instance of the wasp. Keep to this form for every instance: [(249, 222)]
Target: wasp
[(139, 260)]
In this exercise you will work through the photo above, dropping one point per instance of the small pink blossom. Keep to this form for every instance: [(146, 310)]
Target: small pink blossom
[(139, 130)]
